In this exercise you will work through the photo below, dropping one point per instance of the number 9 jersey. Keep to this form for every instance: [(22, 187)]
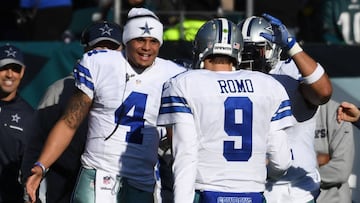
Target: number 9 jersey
[(224, 126)]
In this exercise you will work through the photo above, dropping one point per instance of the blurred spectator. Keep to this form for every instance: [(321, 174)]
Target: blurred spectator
[(44, 20), (334, 144), (16, 122), (341, 22)]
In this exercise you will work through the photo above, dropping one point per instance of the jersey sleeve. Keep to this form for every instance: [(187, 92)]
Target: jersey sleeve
[(83, 79), (278, 154), (287, 67), (278, 149), (86, 71), (185, 152), (174, 106), (282, 117), (175, 111)]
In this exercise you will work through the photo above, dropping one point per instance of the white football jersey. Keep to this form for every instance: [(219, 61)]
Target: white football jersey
[(233, 115), (303, 173), (125, 106)]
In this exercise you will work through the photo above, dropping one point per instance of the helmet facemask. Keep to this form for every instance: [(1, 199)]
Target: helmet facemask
[(258, 56), (259, 53)]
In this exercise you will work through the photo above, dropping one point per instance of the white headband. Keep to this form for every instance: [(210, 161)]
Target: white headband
[(142, 23)]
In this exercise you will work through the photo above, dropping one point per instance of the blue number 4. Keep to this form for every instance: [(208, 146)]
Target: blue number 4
[(238, 122), (131, 113)]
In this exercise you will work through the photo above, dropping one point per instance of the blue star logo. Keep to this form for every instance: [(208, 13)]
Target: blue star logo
[(106, 30), (146, 29), (10, 52)]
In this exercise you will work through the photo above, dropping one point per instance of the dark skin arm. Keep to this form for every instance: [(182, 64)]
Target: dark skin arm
[(318, 92), (59, 138)]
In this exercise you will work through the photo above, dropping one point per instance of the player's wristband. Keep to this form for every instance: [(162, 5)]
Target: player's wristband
[(314, 76), (43, 169), (294, 49)]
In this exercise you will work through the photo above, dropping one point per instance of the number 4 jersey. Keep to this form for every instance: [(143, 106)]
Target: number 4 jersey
[(124, 110), (231, 117)]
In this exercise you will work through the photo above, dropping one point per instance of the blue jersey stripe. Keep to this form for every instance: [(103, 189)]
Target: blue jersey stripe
[(174, 104), (281, 113), (284, 104), (82, 75), (172, 99), (175, 109)]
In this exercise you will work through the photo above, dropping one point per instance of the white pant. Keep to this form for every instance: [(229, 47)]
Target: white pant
[(281, 193)]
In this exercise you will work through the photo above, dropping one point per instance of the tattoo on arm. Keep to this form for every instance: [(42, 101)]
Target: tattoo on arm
[(77, 109)]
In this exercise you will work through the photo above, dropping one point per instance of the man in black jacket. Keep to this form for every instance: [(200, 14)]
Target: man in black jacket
[(16, 116)]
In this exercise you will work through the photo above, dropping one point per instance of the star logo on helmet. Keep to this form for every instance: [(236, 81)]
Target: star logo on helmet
[(106, 30), (269, 29), (10, 52), (146, 29)]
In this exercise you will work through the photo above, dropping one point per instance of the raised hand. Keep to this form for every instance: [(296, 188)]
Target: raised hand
[(281, 35)]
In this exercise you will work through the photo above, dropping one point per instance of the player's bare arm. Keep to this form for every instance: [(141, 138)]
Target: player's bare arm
[(59, 138), (77, 109), (319, 91), (316, 87)]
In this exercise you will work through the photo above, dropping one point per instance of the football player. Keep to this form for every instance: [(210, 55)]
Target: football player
[(307, 85), (224, 122), (120, 93)]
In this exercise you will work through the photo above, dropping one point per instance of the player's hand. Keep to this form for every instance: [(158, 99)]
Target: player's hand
[(281, 35), (32, 183), (348, 112)]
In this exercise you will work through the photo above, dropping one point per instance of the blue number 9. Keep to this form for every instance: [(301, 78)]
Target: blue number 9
[(238, 122)]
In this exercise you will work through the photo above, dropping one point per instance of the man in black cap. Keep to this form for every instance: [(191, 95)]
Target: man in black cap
[(61, 177), (15, 120), (102, 35)]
